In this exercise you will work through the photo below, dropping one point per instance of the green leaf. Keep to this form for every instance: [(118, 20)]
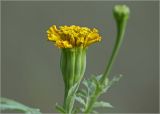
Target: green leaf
[(102, 104), (71, 97), (94, 89), (98, 77), (60, 109), (85, 83), (82, 93), (8, 104), (80, 100), (114, 80), (90, 85), (95, 82)]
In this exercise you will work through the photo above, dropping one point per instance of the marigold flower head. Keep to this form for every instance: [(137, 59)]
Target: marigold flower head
[(72, 36)]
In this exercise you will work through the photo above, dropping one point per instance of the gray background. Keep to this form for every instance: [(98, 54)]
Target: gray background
[(30, 64)]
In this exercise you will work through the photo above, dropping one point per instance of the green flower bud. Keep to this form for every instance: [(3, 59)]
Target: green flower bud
[(121, 12)]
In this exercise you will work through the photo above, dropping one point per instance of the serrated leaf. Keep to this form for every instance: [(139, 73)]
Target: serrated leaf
[(103, 104), (71, 97), (80, 100), (98, 77), (85, 83), (8, 104), (60, 109), (95, 82), (114, 80), (11, 107), (82, 93), (90, 85)]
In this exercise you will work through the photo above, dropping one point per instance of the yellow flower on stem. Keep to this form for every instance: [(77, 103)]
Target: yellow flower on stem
[(73, 42), (73, 36)]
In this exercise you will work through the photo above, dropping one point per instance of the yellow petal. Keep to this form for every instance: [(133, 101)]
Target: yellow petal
[(63, 44), (53, 34)]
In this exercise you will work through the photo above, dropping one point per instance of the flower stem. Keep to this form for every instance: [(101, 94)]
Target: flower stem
[(121, 29), (92, 101), (121, 14)]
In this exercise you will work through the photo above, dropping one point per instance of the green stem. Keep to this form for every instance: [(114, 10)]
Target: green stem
[(121, 26), (91, 102), (121, 15)]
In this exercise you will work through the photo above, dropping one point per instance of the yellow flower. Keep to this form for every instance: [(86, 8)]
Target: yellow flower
[(72, 36)]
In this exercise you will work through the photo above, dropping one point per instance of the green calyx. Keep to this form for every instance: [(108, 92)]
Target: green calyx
[(73, 65)]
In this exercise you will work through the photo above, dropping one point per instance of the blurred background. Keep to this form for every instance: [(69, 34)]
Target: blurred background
[(30, 64)]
